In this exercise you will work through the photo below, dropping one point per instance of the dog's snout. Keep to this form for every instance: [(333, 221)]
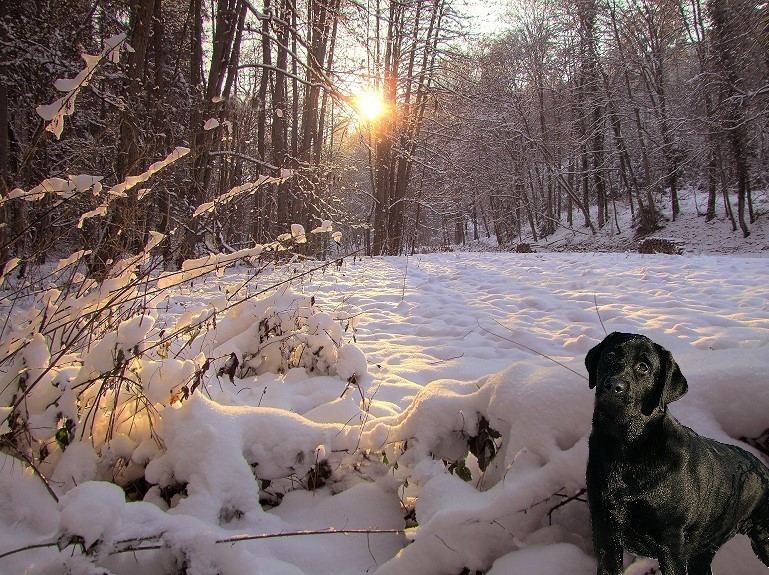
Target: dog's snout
[(615, 385)]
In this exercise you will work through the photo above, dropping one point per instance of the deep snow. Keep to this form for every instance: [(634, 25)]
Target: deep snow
[(446, 339)]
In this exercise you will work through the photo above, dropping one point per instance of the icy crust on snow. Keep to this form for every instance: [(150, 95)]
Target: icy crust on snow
[(333, 441)]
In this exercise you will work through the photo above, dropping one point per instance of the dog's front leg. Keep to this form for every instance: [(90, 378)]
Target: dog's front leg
[(672, 562), (606, 544), (609, 558)]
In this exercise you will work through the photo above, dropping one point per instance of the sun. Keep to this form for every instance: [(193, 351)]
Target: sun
[(369, 105)]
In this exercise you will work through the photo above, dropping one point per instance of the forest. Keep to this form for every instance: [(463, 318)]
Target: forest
[(398, 121)]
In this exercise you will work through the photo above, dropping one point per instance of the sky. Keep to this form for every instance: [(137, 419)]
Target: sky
[(487, 17)]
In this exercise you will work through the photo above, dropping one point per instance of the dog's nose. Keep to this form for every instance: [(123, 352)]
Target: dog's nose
[(615, 386)]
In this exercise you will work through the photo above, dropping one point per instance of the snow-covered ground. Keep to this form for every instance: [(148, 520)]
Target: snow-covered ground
[(464, 352)]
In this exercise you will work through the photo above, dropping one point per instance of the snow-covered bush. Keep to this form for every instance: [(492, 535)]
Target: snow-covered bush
[(92, 365), (87, 366)]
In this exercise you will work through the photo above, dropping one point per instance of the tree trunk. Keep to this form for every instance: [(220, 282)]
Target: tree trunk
[(162, 198), (281, 156), (728, 18), (123, 229), (648, 219), (259, 224), (4, 155)]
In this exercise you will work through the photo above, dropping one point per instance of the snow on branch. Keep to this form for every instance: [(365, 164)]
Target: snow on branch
[(131, 181), (197, 267), (55, 112), (12, 264), (120, 189), (239, 191), (59, 186)]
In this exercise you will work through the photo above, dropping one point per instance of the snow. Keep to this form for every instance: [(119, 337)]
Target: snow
[(554, 559), (450, 387), (65, 106), (101, 502)]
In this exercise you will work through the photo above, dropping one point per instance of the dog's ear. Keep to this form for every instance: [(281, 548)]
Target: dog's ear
[(671, 383), (592, 357)]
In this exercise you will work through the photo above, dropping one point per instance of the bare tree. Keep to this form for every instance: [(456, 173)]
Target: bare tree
[(734, 24), (414, 30)]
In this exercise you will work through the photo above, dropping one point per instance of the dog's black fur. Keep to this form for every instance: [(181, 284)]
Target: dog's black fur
[(655, 487)]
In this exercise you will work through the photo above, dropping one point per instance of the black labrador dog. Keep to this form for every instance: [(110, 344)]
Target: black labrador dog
[(655, 487)]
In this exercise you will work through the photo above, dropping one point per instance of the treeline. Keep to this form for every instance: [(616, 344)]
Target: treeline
[(577, 105), (238, 84), (581, 104)]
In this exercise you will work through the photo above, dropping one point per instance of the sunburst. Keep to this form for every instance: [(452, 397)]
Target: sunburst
[(369, 105)]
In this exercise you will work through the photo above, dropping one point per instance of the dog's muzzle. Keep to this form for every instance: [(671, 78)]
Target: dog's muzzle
[(614, 386), (612, 394)]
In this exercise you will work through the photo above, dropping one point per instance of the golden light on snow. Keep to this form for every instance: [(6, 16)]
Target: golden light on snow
[(369, 104)]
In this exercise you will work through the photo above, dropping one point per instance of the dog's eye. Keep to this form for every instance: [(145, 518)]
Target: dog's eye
[(643, 367)]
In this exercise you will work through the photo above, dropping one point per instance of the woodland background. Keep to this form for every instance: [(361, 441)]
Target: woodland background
[(572, 106)]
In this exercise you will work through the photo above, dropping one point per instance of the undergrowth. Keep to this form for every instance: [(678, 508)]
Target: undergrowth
[(85, 358)]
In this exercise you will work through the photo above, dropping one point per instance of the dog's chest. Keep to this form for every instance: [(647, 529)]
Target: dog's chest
[(632, 511), (619, 497)]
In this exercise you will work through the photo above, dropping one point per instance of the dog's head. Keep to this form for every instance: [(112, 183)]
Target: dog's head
[(633, 375)]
